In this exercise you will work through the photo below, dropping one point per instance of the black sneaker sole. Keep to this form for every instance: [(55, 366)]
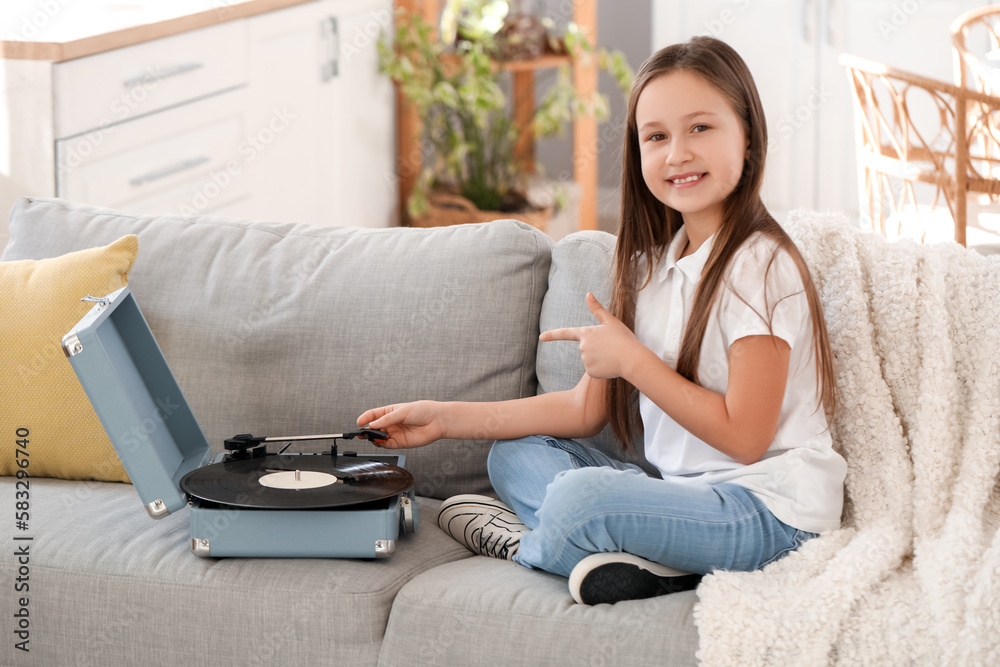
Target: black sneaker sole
[(614, 582)]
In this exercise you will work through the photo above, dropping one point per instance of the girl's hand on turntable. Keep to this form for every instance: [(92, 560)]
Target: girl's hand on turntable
[(407, 424)]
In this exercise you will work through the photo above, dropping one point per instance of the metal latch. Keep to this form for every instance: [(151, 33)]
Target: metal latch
[(101, 301)]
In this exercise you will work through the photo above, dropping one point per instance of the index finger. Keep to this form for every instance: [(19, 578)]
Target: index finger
[(375, 413), (567, 333)]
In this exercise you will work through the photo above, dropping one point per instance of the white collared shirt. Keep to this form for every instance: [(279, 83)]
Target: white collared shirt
[(800, 478)]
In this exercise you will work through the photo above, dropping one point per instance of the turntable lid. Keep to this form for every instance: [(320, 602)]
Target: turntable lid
[(149, 422)]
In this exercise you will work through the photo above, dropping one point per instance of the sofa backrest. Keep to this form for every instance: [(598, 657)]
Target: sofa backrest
[(581, 263), (285, 329)]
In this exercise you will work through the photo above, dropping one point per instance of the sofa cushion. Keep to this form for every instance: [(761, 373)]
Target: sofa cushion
[(286, 329), (581, 263), (482, 611), (43, 403), (110, 586)]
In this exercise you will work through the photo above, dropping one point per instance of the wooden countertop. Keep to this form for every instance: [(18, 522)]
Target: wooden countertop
[(65, 29)]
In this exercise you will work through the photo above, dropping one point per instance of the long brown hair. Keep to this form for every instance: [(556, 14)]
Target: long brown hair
[(647, 226)]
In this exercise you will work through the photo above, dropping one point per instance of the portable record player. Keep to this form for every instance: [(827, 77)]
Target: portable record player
[(248, 501)]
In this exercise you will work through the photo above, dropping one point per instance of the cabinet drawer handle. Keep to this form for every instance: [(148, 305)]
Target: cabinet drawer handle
[(190, 163), (161, 74), (331, 39), (807, 16)]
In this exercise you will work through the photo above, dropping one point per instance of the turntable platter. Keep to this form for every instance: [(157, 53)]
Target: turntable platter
[(269, 482)]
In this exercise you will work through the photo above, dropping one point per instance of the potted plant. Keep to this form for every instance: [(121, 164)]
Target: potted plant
[(471, 171)]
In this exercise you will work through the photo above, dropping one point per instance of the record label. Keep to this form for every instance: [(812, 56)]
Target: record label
[(298, 479)]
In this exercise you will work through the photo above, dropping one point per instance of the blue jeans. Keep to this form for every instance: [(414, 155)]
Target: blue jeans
[(578, 501)]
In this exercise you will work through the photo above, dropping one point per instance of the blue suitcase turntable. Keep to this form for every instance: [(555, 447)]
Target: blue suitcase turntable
[(249, 500)]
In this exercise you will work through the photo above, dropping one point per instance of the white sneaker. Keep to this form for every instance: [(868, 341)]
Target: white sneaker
[(483, 524), (615, 576)]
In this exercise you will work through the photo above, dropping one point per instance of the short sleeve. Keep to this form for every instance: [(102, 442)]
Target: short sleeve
[(761, 297)]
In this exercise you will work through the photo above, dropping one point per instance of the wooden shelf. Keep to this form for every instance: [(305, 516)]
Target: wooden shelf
[(527, 65), (544, 62), (523, 98)]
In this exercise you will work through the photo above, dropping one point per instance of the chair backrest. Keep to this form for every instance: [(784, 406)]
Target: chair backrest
[(976, 41), (924, 146), (975, 37), (909, 159)]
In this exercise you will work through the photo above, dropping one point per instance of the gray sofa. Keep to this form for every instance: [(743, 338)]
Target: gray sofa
[(282, 329)]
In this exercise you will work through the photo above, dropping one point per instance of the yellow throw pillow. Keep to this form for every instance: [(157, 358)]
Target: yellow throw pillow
[(45, 416)]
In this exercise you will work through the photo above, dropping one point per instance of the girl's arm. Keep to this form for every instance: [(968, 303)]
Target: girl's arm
[(741, 424), (573, 413)]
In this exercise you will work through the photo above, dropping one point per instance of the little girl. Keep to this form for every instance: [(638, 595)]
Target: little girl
[(715, 323)]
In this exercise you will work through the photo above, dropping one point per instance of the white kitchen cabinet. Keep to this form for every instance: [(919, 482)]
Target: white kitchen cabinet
[(362, 139), (791, 48), (174, 161), (123, 84), (319, 103), (148, 129), (278, 116)]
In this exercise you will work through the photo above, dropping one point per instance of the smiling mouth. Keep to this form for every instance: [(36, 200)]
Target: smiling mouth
[(693, 178)]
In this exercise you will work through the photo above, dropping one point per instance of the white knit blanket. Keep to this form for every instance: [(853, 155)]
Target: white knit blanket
[(913, 575)]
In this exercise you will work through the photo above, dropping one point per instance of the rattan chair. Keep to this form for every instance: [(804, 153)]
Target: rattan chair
[(919, 155), (975, 69)]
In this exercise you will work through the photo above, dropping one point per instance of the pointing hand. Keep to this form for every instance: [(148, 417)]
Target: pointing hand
[(606, 348)]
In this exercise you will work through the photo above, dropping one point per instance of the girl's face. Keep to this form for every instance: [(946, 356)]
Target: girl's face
[(691, 143)]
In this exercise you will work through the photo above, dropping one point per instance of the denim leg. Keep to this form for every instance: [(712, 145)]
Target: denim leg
[(521, 470), (692, 528)]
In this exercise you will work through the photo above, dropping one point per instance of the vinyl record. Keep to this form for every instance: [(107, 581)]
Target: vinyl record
[(270, 482)]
